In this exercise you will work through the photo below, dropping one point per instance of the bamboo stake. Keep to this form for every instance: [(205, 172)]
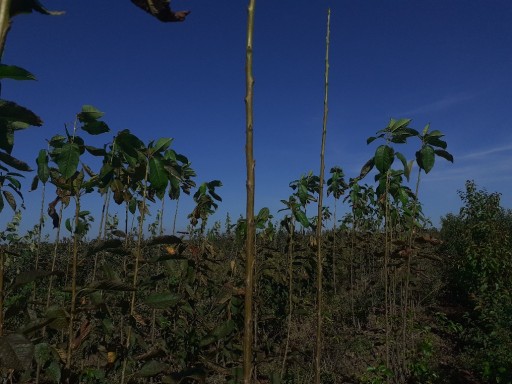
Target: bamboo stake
[(318, 350), (250, 246)]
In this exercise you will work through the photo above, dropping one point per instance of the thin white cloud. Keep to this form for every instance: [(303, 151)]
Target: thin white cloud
[(487, 152), (441, 104)]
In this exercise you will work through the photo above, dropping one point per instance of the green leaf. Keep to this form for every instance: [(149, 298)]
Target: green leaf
[(89, 114), (404, 163), (163, 300), (370, 140), (35, 183), (161, 145), (43, 171), (1, 203), (301, 218), (96, 127), (435, 141), (67, 159), (157, 174), (426, 158), (129, 144), (398, 124), (384, 156), (152, 368), (15, 73), (68, 225), (13, 162), (445, 155), (10, 111)]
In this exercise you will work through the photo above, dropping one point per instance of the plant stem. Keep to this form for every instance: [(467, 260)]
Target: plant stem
[(319, 269), (251, 229), (290, 293), (73, 283)]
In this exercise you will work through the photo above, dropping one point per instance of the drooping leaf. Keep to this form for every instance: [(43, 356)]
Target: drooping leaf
[(384, 156), (10, 111), (15, 73), (163, 300), (426, 158), (43, 171), (35, 183), (436, 142), (445, 155), (13, 162), (157, 174), (10, 199), (367, 167), (402, 158)]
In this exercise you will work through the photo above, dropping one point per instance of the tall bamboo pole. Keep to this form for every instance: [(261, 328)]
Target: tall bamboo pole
[(318, 349), (250, 244), (5, 23)]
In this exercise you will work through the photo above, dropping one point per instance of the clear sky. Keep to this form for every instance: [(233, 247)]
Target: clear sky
[(443, 62)]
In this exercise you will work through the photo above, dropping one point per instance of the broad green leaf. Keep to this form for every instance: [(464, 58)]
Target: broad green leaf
[(43, 171), (96, 127), (436, 142), (161, 145), (10, 111), (42, 353), (301, 218), (224, 330), (13, 162), (157, 174), (370, 139), (163, 300), (426, 158), (398, 124), (67, 159), (445, 155), (425, 130), (384, 156), (152, 368), (15, 73), (262, 217), (129, 144), (89, 114), (436, 133)]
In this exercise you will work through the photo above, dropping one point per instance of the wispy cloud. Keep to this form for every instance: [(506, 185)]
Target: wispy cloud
[(441, 104), (487, 152)]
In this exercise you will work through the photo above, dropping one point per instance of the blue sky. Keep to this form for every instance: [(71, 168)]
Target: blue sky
[(443, 62)]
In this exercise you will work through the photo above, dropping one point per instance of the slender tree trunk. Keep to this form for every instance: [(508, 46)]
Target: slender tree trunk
[(319, 259), (250, 246)]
